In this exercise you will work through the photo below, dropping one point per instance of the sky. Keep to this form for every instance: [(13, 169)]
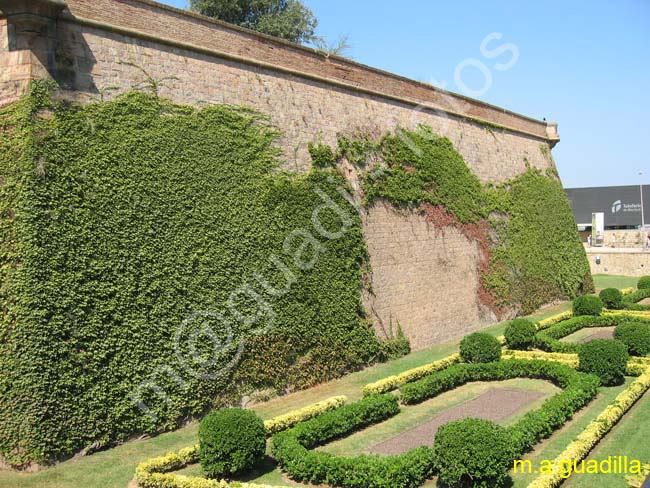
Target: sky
[(583, 64)]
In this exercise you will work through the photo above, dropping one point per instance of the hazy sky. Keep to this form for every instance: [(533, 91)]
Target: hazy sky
[(583, 64)]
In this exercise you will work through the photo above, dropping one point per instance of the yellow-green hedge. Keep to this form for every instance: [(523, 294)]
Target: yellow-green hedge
[(283, 422), (154, 473), (596, 430), (637, 480), (635, 366), (392, 382), (627, 291), (553, 319)]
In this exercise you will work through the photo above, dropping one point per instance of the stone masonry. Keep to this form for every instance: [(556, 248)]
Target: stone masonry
[(424, 279)]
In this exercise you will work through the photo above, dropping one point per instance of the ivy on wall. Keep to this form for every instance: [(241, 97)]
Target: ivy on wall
[(525, 231), (125, 222)]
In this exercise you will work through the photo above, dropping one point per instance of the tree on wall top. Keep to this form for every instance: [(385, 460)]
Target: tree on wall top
[(287, 19)]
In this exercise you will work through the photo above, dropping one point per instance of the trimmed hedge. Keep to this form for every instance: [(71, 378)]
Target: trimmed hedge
[(473, 452), (635, 336), (612, 298), (630, 300), (231, 440), (520, 334), (605, 358), (587, 305), (480, 347), (643, 283), (293, 449)]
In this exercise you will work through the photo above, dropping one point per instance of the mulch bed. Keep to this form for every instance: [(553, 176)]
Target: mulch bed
[(495, 405)]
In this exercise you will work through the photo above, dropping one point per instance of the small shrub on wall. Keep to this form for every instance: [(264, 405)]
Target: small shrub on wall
[(606, 359), (231, 441), (587, 305), (473, 452), (520, 334), (612, 298), (480, 348)]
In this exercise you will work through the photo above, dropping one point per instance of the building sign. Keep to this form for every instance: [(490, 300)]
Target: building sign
[(620, 204)]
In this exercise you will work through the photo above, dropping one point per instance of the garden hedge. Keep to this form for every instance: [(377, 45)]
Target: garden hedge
[(294, 450), (520, 334), (231, 441), (612, 298), (635, 336), (480, 347), (587, 305), (605, 358)]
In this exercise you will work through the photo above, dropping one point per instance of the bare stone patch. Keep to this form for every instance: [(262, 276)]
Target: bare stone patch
[(496, 404)]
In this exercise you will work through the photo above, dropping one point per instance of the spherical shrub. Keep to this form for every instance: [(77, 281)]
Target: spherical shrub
[(231, 440), (520, 334), (604, 358), (587, 305), (612, 298), (473, 452), (480, 348), (643, 283), (635, 336)]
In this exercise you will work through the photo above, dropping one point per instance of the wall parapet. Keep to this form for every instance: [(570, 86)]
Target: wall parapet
[(163, 24)]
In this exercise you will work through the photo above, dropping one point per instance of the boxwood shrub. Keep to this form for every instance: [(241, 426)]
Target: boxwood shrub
[(587, 305), (480, 348), (643, 283), (231, 440), (630, 301), (520, 334), (473, 452), (635, 336), (612, 298), (605, 358)]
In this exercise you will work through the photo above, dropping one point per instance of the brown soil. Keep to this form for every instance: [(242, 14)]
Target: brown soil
[(598, 334), (494, 405)]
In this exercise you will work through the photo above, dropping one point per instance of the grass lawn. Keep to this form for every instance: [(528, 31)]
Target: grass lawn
[(629, 438), (614, 281)]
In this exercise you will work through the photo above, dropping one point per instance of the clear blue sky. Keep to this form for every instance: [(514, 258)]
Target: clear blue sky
[(583, 64)]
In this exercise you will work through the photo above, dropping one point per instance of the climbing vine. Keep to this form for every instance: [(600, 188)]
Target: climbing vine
[(529, 250), (122, 222)]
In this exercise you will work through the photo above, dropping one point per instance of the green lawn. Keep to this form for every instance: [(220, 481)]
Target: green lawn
[(614, 281), (629, 438)]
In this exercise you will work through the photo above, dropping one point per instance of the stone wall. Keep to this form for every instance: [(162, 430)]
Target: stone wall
[(626, 262), (424, 279)]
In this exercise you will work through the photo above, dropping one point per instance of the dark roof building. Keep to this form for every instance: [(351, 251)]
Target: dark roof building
[(620, 204)]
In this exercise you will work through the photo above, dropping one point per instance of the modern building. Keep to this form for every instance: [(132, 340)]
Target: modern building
[(620, 204)]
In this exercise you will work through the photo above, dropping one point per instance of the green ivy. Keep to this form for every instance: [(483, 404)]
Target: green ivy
[(122, 219), (536, 255)]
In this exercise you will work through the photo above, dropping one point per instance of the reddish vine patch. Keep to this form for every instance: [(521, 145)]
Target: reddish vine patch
[(478, 232)]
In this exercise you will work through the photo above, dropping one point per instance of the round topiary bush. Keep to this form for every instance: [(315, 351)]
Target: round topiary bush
[(480, 348), (606, 359), (635, 336), (520, 334), (643, 283), (612, 298), (473, 452), (587, 305), (231, 440)]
